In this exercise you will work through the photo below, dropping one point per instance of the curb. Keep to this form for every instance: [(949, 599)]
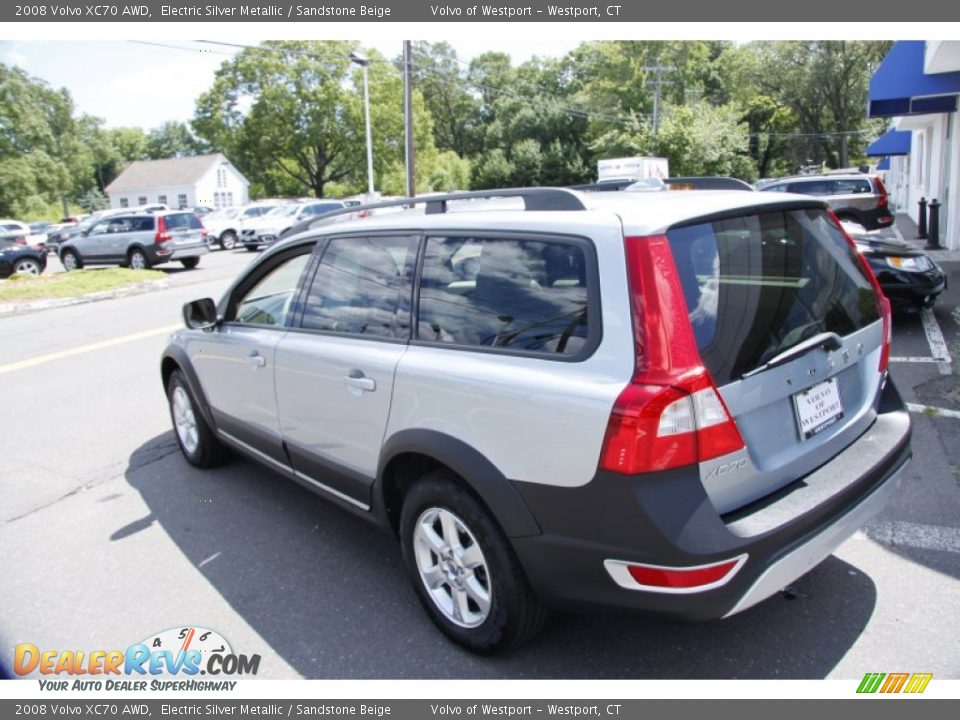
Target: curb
[(8, 309)]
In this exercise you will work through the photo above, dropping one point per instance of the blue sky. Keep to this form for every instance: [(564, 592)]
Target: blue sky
[(141, 83)]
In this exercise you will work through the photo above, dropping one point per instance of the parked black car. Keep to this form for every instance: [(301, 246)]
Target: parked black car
[(909, 277), (18, 257)]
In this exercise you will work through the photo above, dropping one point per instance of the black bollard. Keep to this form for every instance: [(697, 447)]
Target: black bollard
[(934, 224), (922, 219)]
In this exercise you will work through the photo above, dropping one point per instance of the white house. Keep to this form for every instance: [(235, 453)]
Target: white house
[(209, 180), (917, 85)]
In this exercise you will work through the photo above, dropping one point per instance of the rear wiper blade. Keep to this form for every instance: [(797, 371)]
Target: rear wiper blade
[(825, 341)]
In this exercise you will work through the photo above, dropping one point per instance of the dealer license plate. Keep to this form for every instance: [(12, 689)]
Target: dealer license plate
[(818, 408)]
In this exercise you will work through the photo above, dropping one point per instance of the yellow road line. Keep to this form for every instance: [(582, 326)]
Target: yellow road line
[(50, 357)]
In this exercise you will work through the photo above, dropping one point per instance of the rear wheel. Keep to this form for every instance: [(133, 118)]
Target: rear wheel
[(228, 241), (196, 440), (27, 266), (137, 260), (251, 248), (70, 260), (190, 262), (463, 569)]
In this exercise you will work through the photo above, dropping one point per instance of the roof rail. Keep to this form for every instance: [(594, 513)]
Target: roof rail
[(672, 183), (536, 198), (707, 182)]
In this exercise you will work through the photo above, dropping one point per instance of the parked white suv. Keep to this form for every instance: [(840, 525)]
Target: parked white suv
[(671, 402)]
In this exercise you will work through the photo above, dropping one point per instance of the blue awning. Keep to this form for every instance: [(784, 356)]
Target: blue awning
[(884, 164), (892, 142), (900, 87)]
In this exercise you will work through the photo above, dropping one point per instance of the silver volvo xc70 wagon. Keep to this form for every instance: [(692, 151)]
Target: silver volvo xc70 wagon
[(674, 402)]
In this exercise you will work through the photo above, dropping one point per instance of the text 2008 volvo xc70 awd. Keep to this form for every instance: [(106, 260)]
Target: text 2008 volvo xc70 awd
[(675, 402)]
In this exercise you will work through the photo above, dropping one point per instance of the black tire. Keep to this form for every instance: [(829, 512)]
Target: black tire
[(190, 262), (228, 241), (252, 248), (65, 259), (137, 259), (207, 451), (514, 613), (27, 266)]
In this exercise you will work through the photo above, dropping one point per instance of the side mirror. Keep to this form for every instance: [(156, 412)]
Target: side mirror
[(201, 314)]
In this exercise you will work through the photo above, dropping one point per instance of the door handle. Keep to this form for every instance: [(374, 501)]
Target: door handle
[(256, 360), (356, 379)]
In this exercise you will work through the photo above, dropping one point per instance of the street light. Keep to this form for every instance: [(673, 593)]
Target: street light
[(363, 62)]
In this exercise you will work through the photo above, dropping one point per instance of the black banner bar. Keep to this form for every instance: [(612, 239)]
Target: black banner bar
[(575, 11)]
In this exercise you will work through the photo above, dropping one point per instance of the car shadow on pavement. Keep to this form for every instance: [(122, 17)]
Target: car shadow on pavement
[(328, 593)]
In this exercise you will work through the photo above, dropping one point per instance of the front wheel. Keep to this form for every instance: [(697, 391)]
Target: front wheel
[(190, 262), (27, 266), (137, 259), (463, 569), (70, 260), (228, 241), (196, 440)]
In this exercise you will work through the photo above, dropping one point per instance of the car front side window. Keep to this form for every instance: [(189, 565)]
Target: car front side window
[(270, 300)]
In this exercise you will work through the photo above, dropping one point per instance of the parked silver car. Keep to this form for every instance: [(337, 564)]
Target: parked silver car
[(854, 197), (138, 240), (671, 402)]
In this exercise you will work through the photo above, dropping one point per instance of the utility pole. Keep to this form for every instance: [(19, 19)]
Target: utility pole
[(408, 118), (658, 82)]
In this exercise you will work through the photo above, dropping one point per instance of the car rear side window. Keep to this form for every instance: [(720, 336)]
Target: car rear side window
[(363, 286), (516, 294), (182, 221), (757, 285), (850, 186)]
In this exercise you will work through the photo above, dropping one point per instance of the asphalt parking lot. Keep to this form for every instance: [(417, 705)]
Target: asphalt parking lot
[(109, 536)]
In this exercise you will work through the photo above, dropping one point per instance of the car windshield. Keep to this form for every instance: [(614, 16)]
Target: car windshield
[(224, 214), (284, 210)]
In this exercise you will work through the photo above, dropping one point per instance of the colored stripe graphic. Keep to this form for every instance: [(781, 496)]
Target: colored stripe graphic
[(870, 682), (894, 683), (918, 682)]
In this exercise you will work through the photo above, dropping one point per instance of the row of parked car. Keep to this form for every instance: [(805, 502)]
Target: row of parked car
[(153, 234)]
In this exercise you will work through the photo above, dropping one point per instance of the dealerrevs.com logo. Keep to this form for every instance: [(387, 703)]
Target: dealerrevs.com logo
[(153, 663)]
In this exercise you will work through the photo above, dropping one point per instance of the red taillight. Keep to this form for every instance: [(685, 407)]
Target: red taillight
[(162, 235), (887, 315), (655, 428), (671, 414), (883, 304), (882, 189)]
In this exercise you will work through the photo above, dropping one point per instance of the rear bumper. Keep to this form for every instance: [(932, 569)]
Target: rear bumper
[(178, 253), (666, 519)]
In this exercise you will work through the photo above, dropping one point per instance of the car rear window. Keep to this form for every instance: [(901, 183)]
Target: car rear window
[(757, 285), (182, 221)]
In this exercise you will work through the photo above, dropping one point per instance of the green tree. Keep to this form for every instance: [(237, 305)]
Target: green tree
[(290, 115), (823, 84), (705, 140), (173, 139), (445, 84), (41, 155)]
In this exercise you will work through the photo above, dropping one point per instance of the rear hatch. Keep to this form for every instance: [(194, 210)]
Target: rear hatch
[(788, 324), (185, 230)]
